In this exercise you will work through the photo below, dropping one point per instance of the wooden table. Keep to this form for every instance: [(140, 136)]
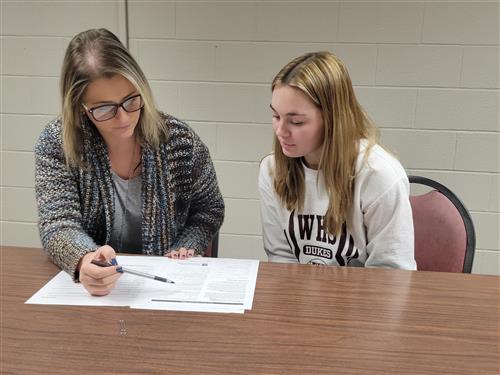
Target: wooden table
[(305, 320)]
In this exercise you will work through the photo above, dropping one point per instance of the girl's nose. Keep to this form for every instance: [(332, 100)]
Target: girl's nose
[(280, 129)]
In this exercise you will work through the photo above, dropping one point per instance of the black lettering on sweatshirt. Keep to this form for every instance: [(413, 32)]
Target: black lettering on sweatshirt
[(305, 225), (344, 251)]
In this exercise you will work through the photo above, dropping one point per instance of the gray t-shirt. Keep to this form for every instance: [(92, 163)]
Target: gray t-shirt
[(126, 233)]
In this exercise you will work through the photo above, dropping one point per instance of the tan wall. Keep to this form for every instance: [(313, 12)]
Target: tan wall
[(427, 72)]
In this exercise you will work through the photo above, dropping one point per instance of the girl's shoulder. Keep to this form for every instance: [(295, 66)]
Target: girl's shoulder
[(266, 168), (267, 162), (378, 171), (379, 161)]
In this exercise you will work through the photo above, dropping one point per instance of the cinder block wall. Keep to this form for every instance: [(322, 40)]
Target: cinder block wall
[(427, 72), (33, 38)]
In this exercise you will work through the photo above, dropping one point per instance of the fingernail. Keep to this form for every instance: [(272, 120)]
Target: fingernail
[(114, 262)]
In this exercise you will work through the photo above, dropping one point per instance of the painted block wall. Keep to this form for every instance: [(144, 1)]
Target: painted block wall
[(426, 72)]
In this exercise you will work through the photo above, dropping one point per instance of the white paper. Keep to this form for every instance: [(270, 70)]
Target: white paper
[(201, 284), (180, 306)]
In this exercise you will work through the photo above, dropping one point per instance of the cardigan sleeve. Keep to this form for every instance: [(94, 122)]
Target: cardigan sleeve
[(58, 200), (206, 209)]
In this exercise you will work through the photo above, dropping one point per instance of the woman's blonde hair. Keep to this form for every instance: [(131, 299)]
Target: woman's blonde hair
[(94, 54), (325, 80)]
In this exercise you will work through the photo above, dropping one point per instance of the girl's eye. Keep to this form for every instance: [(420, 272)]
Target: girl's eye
[(296, 122)]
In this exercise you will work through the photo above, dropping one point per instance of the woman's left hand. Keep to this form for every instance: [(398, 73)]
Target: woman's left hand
[(182, 253)]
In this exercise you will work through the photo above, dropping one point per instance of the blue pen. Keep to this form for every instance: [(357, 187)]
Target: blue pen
[(103, 263)]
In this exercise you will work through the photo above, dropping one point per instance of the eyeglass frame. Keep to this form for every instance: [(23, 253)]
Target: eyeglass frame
[(116, 106)]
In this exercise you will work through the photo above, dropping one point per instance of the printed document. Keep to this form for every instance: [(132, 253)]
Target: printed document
[(201, 284)]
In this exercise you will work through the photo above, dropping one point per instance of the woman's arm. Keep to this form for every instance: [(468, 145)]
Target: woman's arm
[(206, 209), (58, 202)]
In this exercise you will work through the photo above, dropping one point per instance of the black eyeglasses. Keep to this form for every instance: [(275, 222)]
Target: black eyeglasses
[(108, 111)]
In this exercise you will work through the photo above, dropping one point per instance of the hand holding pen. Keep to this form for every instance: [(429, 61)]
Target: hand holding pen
[(121, 269), (99, 281)]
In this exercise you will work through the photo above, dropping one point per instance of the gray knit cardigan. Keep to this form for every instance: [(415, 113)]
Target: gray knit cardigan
[(181, 202)]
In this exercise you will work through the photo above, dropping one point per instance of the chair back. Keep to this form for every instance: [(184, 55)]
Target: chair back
[(212, 250), (445, 239)]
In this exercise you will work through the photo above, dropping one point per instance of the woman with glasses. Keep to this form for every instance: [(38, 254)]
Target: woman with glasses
[(330, 194), (114, 174)]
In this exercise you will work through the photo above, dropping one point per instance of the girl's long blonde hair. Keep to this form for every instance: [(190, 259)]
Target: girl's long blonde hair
[(325, 80), (94, 54)]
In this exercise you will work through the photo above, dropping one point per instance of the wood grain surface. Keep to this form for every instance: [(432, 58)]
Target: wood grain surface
[(305, 320)]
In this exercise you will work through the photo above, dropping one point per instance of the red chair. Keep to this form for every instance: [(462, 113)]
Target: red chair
[(445, 239), (213, 247)]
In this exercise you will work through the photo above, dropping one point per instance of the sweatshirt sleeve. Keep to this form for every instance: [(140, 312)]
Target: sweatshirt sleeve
[(58, 201), (389, 229), (275, 243)]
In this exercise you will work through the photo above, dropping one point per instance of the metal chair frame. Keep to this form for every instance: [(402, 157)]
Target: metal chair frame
[(214, 246), (464, 213)]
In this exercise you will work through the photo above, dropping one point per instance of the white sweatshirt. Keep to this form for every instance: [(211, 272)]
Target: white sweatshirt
[(379, 229)]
